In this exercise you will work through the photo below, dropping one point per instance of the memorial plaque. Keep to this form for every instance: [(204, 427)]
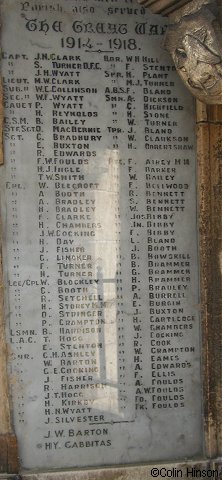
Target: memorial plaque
[(98, 201)]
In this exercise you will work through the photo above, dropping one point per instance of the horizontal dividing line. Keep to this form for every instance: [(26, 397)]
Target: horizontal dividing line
[(99, 51), (111, 423)]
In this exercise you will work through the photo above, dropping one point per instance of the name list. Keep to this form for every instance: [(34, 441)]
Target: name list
[(100, 237)]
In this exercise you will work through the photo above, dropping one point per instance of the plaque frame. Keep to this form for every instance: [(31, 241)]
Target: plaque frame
[(209, 156)]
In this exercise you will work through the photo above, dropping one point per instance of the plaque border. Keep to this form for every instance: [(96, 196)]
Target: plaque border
[(142, 472), (209, 159)]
